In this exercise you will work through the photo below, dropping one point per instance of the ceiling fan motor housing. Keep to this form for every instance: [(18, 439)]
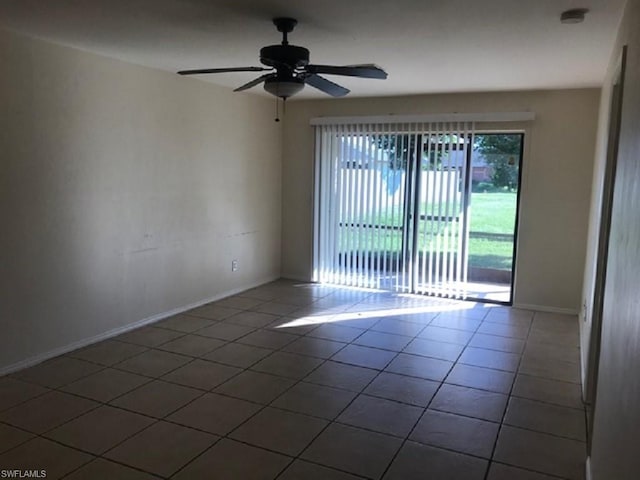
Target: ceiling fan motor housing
[(284, 55)]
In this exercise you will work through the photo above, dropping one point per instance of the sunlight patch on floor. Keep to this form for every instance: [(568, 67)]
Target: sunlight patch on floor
[(387, 312)]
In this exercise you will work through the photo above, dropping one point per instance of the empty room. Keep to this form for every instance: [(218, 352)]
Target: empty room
[(320, 240)]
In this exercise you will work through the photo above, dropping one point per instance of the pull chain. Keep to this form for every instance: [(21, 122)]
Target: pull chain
[(277, 118)]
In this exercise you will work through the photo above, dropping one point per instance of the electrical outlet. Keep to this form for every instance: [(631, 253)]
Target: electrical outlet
[(234, 265)]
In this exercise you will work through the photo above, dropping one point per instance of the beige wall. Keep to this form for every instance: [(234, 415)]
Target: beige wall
[(616, 433), (125, 193), (556, 182)]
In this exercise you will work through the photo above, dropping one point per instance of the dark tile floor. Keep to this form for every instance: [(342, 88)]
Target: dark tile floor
[(296, 381)]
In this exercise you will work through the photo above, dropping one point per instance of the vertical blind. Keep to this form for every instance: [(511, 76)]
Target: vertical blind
[(391, 205)]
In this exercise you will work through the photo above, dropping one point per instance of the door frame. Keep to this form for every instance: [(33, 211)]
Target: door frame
[(606, 206), (408, 256)]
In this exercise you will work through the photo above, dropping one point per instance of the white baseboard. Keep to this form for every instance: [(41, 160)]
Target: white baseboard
[(587, 469), (544, 308), (523, 306), (297, 278), (36, 359)]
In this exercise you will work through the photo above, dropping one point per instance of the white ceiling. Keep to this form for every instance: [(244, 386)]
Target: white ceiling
[(426, 46)]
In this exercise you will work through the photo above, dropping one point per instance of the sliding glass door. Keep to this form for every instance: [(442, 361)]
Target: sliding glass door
[(440, 223), (393, 206), (361, 229)]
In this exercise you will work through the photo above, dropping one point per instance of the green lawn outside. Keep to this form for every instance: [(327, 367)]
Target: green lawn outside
[(493, 212), (490, 213), (490, 253)]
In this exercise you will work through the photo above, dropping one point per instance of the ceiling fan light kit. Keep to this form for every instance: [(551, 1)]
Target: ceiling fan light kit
[(289, 69), (574, 15), (284, 88)]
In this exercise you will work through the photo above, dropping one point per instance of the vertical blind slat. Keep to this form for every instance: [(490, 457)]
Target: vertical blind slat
[(391, 206), (364, 206), (377, 189)]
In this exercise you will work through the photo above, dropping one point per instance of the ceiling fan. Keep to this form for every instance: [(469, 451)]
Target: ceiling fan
[(289, 69)]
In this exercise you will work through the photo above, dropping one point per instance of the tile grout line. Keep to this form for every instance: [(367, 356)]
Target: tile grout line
[(263, 407), (247, 368), (522, 428), (333, 421), (506, 407), (165, 418), (297, 382), (441, 383), (358, 393)]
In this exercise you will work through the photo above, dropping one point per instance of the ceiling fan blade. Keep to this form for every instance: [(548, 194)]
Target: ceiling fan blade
[(254, 82), (222, 70), (327, 86), (364, 71)]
